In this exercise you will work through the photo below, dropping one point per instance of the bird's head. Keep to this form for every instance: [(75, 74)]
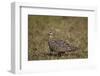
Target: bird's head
[(50, 35)]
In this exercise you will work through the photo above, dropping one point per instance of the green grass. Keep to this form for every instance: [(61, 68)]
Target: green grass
[(70, 29)]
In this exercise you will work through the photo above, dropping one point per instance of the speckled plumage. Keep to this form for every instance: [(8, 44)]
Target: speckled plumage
[(60, 46)]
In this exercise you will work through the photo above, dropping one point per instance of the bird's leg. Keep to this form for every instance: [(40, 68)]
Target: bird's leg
[(59, 54)]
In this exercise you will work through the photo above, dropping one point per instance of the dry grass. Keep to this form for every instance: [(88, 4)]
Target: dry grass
[(70, 29)]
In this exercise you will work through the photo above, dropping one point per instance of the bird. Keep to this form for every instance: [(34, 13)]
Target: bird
[(59, 47)]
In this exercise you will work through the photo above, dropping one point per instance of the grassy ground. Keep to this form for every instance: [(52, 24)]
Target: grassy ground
[(70, 29)]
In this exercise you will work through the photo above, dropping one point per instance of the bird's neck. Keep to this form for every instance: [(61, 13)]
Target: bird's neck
[(50, 37)]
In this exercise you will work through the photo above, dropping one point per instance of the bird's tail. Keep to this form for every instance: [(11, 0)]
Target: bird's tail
[(74, 49)]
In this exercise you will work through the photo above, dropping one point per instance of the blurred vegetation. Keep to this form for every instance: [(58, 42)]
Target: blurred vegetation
[(73, 30)]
